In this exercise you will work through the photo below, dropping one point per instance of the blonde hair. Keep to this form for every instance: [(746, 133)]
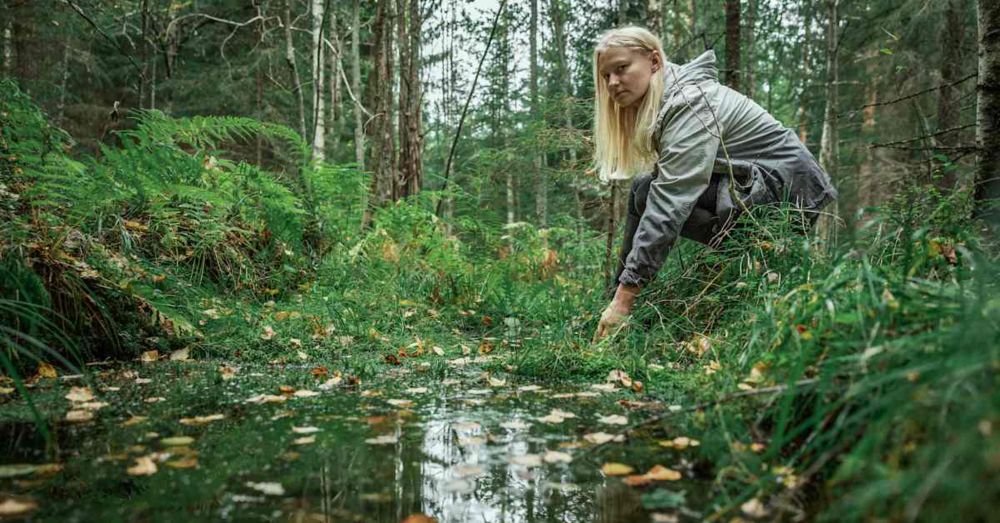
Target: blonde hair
[(624, 146)]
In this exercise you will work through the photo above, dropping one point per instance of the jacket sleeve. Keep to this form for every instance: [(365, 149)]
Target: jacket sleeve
[(687, 148)]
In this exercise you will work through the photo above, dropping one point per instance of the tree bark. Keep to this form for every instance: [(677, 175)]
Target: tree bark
[(733, 44), (293, 70), (63, 84), (336, 63), (8, 45), (867, 184), (807, 19), (414, 173), (541, 177), (380, 128), (952, 38), (318, 82), (359, 130), (829, 150), (751, 81), (987, 192)]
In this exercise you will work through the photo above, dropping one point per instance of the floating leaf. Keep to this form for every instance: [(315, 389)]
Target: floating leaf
[(388, 439), (134, 420), (515, 425), (614, 419), (616, 469), (305, 393), (661, 473), (177, 441), (604, 387), (79, 416), (305, 440), (144, 466), (17, 506), (201, 420), (526, 460), (600, 438), (187, 462), (399, 403), (416, 390), (79, 394), (305, 430), (554, 456)]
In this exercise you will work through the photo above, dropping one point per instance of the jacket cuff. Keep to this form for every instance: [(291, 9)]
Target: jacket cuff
[(632, 278)]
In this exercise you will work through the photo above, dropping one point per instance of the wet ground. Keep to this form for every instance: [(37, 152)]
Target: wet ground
[(203, 442)]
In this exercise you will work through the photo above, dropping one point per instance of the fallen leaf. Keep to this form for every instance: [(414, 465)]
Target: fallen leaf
[(496, 382), (680, 443), (92, 405), (399, 403), (134, 420), (268, 333), (188, 462), (177, 441), (305, 440), (143, 381), (79, 416), (155, 399), (17, 506), (79, 394), (616, 469), (305, 430), (604, 387), (201, 420), (267, 398), (515, 425), (331, 383), (267, 488), (305, 393), (526, 460), (180, 355), (149, 356), (529, 388), (554, 456), (46, 371), (226, 372), (619, 376), (144, 466), (661, 473), (388, 439), (437, 350), (614, 419), (754, 508), (416, 390), (638, 480), (600, 438), (467, 470)]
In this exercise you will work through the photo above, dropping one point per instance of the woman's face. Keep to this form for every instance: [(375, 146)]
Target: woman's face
[(627, 71)]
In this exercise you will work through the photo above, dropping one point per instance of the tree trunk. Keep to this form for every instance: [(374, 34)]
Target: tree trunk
[(952, 40), (318, 82), (143, 52), (359, 130), (414, 173), (293, 69), (867, 184), (733, 44), (380, 128), (751, 81), (8, 46), (63, 81), (335, 61), (829, 149), (541, 178), (807, 18), (987, 191)]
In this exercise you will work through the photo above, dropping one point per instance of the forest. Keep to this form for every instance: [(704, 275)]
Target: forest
[(344, 260)]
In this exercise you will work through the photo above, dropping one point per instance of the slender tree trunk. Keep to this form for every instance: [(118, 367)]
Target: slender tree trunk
[(143, 52), (152, 83), (541, 177), (733, 44), (63, 81), (259, 73), (359, 131), (415, 138), (867, 183), (751, 81), (335, 61), (293, 70), (807, 20), (952, 40), (8, 44), (987, 192), (318, 82), (403, 126), (829, 150)]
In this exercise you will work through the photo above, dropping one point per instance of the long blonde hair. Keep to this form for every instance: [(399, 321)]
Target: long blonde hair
[(624, 146)]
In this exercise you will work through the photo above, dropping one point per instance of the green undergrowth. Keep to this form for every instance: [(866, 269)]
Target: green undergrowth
[(838, 380)]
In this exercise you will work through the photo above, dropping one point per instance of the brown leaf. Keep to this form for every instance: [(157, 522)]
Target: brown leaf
[(46, 371), (392, 359), (149, 356)]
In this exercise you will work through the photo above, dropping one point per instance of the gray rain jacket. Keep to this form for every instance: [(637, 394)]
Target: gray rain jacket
[(702, 128)]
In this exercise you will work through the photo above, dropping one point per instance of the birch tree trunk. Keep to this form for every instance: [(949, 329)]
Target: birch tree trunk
[(807, 20), (867, 184), (359, 131), (293, 69), (541, 178), (733, 44), (987, 191), (318, 82), (751, 81), (335, 61), (829, 149)]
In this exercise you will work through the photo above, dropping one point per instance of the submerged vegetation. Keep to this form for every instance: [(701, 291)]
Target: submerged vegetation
[(838, 379)]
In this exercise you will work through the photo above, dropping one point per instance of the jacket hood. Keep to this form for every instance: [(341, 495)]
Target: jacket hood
[(698, 70)]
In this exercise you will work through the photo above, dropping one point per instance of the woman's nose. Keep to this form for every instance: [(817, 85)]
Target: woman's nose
[(613, 81)]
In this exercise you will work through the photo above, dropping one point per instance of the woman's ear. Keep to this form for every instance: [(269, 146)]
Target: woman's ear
[(656, 60)]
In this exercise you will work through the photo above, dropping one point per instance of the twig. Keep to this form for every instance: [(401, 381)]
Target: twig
[(100, 31), (465, 109), (919, 138)]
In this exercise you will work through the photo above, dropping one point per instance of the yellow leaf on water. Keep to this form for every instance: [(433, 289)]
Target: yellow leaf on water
[(614, 419), (554, 456), (600, 438), (616, 469), (399, 403), (144, 466), (661, 473)]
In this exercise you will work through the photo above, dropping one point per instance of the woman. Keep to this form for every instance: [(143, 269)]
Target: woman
[(691, 145)]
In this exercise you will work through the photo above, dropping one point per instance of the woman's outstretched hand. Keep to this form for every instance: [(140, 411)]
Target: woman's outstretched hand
[(615, 315)]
